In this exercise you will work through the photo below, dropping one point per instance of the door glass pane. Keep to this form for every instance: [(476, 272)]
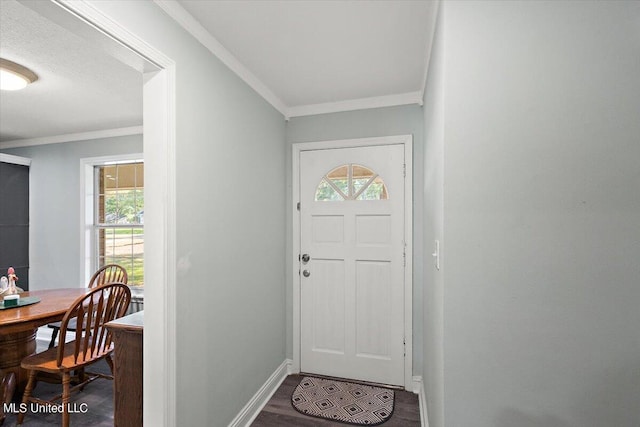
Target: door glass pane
[(340, 178), (339, 173), (375, 191), (360, 177), (325, 192)]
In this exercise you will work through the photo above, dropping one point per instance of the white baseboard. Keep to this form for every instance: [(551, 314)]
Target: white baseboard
[(418, 388), (251, 410), (416, 383)]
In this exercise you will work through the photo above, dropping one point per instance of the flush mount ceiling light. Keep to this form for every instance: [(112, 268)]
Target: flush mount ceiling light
[(14, 76)]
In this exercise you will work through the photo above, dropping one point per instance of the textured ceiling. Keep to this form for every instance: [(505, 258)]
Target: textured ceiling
[(80, 88), (311, 52)]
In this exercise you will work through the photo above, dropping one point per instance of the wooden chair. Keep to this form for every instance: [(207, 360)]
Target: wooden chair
[(110, 273), (92, 343)]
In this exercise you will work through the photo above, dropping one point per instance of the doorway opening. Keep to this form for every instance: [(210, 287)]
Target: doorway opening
[(352, 243), (159, 142)]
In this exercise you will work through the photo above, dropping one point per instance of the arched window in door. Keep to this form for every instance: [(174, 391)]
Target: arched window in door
[(351, 182)]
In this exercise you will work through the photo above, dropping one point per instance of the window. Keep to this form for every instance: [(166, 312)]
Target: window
[(119, 217), (351, 182)]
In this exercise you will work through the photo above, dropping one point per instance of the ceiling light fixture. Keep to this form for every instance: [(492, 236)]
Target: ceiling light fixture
[(14, 76)]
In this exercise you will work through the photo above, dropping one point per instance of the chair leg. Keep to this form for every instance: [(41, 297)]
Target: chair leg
[(54, 334), (27, 394), (66, 379)]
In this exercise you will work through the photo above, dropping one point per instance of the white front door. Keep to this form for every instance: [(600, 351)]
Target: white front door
[(352, 284)]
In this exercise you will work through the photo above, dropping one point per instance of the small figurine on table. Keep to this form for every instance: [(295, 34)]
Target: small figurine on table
[(11, 288), (11, 275)]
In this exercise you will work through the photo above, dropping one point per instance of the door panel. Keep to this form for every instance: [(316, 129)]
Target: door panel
[(373, 320), (328, 313), (352, 288)]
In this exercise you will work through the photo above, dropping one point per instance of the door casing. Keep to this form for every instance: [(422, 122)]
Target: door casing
[(159, 147), (407, 141)]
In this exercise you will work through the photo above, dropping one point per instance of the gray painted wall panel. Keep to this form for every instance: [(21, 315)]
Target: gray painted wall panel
[(541, 209)]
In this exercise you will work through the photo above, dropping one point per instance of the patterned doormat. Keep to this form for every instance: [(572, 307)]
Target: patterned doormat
[(343, 401)]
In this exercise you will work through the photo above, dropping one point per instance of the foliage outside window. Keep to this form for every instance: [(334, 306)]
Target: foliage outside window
[(119, 222)]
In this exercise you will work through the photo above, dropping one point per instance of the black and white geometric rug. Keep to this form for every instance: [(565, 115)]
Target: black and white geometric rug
[(343, 401)]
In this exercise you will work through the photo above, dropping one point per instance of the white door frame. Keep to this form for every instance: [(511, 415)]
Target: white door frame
[(159, 145), (407, 141)]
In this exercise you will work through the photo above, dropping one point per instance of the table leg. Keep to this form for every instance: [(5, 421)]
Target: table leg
[(13, 348), (7, 387)]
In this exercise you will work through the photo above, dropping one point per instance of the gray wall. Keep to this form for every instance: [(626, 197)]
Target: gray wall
[(230, 184), (55, 206), (433, 302), (401, 120), (541, 214)]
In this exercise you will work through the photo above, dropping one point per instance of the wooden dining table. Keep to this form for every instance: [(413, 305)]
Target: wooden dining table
[(18, 327)]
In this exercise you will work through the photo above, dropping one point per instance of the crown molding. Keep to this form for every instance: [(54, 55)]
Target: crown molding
[(357, 104), (82, 136), (192, 26)]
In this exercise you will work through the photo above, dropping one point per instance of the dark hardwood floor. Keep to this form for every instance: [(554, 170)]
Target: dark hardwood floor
[(98, 397), (279, 412)]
